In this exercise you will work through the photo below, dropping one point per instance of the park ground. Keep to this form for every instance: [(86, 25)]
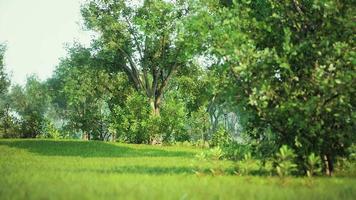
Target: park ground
[(70, 169)]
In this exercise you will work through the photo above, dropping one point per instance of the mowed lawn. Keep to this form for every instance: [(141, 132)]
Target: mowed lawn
[(69, 169)]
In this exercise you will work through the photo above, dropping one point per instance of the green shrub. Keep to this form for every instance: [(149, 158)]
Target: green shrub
[(173, 122), (132, 120), (215, 153), (347, 166), (49, 130), (212, 156), (285, 165), (236, 151), (266, 167), (248, 165), (198, 124), (221, 138), (352, 152), (313, 165), (198, 163)]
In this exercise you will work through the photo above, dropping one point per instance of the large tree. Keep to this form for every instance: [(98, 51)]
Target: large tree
[(85, 90), (149, 37), (291, 64)]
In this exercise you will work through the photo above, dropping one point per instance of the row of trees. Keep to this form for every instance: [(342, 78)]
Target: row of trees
[(276, 72), (88, 97)]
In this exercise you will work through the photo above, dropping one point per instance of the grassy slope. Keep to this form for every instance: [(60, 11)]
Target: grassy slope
[(45, 169)]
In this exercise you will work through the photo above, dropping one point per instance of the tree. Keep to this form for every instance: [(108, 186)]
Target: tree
[(292, 66), (149, 37), (6, 119), (30, 103), (85, 93), (4, 82)]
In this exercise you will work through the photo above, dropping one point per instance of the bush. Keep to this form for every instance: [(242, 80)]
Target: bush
[(132, 120), (285, 161), (199, 123), (236, 151), (221, 138), (248, 165), (313, 165), (347, 166), (173, 121), (215, 153), (352, 152), (49, 130)]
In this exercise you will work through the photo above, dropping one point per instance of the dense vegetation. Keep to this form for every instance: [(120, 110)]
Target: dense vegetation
[(267, 84)]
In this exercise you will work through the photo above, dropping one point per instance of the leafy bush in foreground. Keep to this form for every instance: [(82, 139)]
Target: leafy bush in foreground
[(285, 165), (313, 165)]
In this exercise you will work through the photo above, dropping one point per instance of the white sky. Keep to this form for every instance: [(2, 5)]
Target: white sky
[(35, 32)]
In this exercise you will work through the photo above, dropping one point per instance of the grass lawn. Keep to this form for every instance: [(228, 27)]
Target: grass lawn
[(69, 169)]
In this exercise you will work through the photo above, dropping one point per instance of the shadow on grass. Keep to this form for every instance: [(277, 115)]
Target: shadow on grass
[(158, 170), (136, 169), (89, 149)]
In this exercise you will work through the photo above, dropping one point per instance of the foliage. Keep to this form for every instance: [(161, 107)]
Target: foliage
[(248, 165), (49, 130), (313, 165), (215, 153), (5, 117), (4, 81), (285, 165), (84, 93), (352, 152), (30, 103), (221, 138), (133, 122), (149, 38), (236, 151), (245, 77), (291, 65), (347, 166), (173, 121), (199, 124)]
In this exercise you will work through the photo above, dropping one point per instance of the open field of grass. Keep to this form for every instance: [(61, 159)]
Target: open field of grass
[(48, 169)]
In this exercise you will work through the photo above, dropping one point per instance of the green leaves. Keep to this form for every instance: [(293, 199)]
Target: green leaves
[(285, 161), (293, 70), (4, 81), (31, 103), (313, 165)]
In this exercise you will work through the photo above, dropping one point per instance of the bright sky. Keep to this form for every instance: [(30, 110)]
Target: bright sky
[(35, 32)]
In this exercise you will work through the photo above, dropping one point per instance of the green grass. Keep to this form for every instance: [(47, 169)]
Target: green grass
[(48, 169)]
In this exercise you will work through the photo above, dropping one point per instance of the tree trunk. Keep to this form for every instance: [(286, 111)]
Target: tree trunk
[(113, 137), (6, 122), (86, 136), (157, 105), (329, 165), (5, 127)]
